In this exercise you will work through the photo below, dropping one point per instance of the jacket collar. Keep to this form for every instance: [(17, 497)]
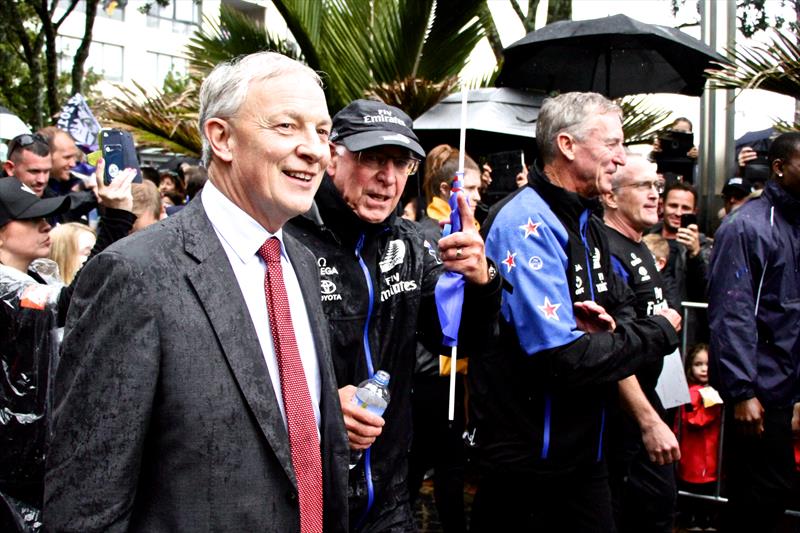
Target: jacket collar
[(331, 211), (565, 204), (788, 205)]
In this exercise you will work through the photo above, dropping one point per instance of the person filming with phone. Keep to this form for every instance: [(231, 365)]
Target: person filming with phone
[(689, 249), (33, 309)]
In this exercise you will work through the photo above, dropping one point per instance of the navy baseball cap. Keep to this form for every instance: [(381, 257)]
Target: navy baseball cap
[(366, 124), (19, 202), (737, 187)]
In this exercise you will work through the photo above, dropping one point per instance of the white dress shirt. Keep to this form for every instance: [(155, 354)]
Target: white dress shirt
[(241, 237)]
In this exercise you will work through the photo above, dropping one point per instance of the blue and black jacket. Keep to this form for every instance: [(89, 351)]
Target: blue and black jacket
[(539, 399)]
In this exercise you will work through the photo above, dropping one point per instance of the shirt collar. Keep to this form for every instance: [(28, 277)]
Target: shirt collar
[(239, 230)]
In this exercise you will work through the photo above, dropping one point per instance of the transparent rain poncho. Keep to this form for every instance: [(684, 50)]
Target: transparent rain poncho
[(29, 344)]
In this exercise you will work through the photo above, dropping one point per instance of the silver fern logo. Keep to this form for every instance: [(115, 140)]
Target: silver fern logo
[(395, 253)]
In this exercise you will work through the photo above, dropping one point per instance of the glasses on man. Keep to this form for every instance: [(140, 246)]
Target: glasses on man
[(375, 160), (22, 141), (644, 186)]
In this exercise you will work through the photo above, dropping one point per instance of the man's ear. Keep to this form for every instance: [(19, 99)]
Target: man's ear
[(219, 135), (566, 145), (333, 162), (8, 166), (777, 167), (609, 199), (444, 189)]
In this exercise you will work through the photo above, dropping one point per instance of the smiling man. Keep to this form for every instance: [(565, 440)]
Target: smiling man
[(29, 161), (378, 278), (539, 399), (643, 447), (196, 389)]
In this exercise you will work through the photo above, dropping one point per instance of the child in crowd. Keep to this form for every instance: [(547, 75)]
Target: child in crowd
[(699, 438)]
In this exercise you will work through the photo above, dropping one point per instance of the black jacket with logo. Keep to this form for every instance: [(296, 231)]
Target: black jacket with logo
[(384, 315)]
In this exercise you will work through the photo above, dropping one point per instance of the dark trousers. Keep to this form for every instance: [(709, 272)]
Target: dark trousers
[(644, 494), (578, 501), (438, 443), (760, 473)]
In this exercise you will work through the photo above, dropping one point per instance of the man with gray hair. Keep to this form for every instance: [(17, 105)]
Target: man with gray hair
[(643, 446), (196, 389), (567, 335)]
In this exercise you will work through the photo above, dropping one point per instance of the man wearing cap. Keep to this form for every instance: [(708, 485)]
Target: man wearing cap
[(377, 282), (735, 193)]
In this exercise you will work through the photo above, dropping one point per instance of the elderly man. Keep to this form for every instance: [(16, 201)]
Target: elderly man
[(540, 398), (643, 445), (196, 390), (29, 161), (378, 278)]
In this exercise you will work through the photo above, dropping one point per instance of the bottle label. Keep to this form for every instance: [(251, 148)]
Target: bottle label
[(374, 409)]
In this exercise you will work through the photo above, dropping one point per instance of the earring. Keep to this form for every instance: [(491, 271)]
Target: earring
[(780, 174)]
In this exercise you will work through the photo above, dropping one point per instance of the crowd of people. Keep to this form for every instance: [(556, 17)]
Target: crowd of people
[(191, 364)]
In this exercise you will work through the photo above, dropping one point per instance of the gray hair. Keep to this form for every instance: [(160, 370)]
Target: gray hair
[(225, 89), (626, 170), (568, 113)]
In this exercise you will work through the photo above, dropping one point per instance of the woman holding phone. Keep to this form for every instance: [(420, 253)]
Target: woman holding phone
[(33, 309)]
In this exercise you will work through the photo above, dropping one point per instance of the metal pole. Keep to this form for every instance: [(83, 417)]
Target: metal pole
[(718, 22)]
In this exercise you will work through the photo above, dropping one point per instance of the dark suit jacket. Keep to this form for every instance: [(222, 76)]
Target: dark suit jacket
[(165, 418)]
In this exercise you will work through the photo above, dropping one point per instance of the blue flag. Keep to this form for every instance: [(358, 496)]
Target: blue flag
[(449, 291)]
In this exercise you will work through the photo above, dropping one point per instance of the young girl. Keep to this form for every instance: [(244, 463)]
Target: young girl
[(699, 432)]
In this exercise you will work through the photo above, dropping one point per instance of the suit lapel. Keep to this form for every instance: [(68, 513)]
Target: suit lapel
[(218, 291)]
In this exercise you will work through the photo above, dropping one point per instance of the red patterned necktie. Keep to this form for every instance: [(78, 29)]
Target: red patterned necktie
[(302, 425)]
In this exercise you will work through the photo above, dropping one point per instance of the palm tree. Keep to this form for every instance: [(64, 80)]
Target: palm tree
[(406, 52), (773, 67)]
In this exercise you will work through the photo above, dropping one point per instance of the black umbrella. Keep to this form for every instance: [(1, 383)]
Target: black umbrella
[(614, 56)]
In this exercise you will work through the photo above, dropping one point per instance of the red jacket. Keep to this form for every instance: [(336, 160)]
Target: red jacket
[(699, 439)]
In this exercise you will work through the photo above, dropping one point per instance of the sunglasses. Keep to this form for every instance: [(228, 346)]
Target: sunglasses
[(23, 141)]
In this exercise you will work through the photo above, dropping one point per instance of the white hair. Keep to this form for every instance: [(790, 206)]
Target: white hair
[(225, 89), (568, 113)]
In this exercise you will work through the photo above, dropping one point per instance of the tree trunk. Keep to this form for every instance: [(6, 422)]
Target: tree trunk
[(83, 50), (529, 22), (32, 52), (559, 10)]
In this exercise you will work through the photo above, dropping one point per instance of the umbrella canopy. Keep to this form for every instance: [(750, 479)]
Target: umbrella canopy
[(615, 56), (497, 119), (11, 125)]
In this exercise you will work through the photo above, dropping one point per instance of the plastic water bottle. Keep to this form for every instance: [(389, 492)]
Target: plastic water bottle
[(373, 395)]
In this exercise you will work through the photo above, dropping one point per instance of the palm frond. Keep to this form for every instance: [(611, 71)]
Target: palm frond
[(772, 67), (413, 95), (163, 121), (641, 122)]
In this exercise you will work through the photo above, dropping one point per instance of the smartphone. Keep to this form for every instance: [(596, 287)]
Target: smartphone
[(688, 218), (119, 153)]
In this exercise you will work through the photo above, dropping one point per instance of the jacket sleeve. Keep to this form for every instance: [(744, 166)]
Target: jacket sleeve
[(736, 267), (539, 307), (103, 398), (114, 225)]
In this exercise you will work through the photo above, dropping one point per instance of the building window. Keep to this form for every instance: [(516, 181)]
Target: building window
[(117, 11), (162, 64), (182, 16), (104, 58)]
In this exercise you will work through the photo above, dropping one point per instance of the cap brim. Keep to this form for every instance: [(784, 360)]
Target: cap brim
[(371, 139), (45, 207)]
